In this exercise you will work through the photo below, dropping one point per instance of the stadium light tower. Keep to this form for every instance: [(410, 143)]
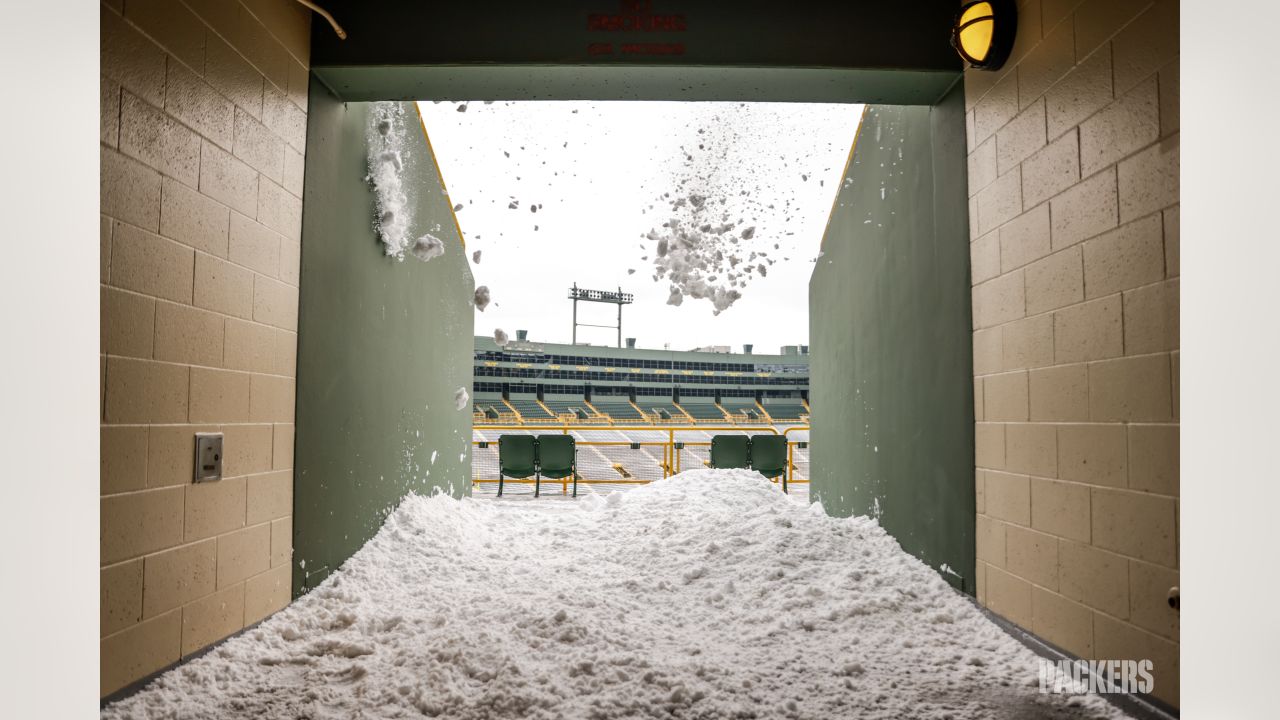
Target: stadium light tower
[(618, 298)]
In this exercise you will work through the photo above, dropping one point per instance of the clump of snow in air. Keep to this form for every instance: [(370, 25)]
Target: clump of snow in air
[(711, 245), (386, 140), (475, 257), (578, 191), (482, 297), (708, 595), (500, 337), (461, 398), (428, 247)]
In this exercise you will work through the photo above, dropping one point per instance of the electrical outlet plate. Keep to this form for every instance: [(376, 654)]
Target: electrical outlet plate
[(208, 462)]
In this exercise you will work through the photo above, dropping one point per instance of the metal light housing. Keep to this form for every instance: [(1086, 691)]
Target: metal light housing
[(983, 33)]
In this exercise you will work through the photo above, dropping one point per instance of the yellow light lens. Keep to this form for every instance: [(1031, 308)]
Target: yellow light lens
[(975, 38)]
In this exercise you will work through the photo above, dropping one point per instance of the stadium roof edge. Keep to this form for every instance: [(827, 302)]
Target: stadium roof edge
[(483, 343)]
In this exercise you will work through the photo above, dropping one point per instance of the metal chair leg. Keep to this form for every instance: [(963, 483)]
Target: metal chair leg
[(501, 477), (537, 484), (785, 491), (574, 470)]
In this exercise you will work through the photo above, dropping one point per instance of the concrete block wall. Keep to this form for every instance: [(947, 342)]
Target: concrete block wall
[(203, 133), (1073, 182)]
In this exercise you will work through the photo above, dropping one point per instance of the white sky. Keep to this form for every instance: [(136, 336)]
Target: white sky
[(597, 172)]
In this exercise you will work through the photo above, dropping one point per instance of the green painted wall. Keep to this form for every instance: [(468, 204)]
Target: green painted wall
[(382, 347), (891, 369)]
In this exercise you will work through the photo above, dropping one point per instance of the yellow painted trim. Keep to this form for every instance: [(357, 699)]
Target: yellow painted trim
[(544, 407), (726, 412), (764, 412), (512, 408), (637, 407), (692, 419), (840, 185), (423, 124)]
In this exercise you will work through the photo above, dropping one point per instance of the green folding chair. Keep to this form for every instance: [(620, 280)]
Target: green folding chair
[(556, 459), (517, 457), (769, 456), (730, 451)]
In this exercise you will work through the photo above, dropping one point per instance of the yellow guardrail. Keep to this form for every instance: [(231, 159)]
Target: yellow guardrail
[(672, 462), (505, 418)]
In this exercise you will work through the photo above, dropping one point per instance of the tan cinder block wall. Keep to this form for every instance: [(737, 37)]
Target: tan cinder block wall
[(1073, 178), (203, 134)]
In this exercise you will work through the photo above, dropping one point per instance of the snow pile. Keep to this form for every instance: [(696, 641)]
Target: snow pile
[(706, 595)]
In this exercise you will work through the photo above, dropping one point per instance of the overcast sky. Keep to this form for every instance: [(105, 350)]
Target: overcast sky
[(598, 171)]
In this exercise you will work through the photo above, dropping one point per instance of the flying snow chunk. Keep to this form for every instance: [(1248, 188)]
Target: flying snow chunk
[(482, 297), (457, 208), (677, 297), (384, 127), (749, 233), (475, 257), (500, 337), (428, 247), (460, 398), (390, 156)]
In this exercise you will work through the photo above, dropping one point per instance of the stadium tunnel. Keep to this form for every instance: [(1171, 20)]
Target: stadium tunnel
[(971, 390)]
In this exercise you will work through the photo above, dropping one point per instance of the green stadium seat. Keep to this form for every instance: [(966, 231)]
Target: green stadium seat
[(567, 404), (517, 457), (556, 459), (703, 411), (769, 455), (730, 451), (528, 407), (785, 411)]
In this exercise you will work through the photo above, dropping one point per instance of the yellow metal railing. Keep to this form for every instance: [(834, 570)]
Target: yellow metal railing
[(672, 459), (506, 418)]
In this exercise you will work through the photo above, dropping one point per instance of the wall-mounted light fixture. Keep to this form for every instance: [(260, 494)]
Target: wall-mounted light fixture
[(983, 32)]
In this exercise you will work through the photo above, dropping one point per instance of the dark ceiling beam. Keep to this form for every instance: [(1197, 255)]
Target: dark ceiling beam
[(699, 49)]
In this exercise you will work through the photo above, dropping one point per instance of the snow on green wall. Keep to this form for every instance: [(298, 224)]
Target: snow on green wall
[(891, 369), (383, 346)]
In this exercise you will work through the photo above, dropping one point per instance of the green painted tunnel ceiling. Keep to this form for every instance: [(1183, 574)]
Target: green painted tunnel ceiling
[(759, 50)]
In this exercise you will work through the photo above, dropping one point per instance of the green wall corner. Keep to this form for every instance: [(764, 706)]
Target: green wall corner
[(890, 325), (383, 345)]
